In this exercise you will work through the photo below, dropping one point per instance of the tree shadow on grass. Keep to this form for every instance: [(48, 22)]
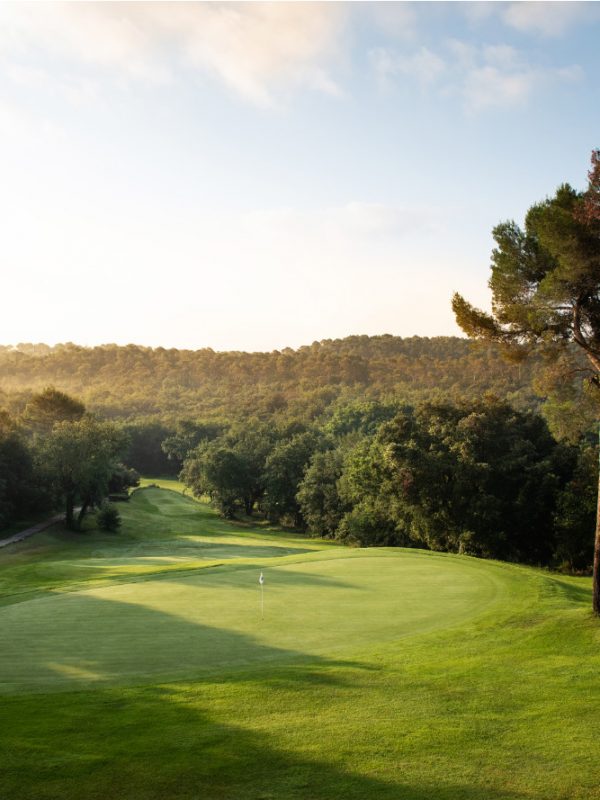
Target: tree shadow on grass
[(162, 743), (214, 739), (200, 546), (582, 595), (63, 642), (246, 575)]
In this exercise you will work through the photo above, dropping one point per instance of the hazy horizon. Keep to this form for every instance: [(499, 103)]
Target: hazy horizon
[(259, 176), (17, 345)]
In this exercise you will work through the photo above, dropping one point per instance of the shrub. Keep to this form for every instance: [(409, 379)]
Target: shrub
[(108, 517), (369, 527)]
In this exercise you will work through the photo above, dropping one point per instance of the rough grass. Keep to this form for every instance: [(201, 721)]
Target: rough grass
[(137, 665)]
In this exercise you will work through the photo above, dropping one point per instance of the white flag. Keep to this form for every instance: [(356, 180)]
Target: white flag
[(261, 580)]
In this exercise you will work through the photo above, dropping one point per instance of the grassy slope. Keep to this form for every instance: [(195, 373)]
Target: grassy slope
[(384, 674)]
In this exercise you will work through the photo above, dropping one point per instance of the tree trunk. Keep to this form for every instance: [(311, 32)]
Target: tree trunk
[(70, 512), (596, 578), (82, 510)]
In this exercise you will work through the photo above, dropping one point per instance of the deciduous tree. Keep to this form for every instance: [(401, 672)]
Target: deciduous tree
[(79, 459), (284, 469), (318, 495)]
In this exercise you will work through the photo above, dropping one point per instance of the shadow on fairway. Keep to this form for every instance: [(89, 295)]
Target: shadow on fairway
[(572, 592), (160, 742), (244, 575), (220, 549), (81, 641)]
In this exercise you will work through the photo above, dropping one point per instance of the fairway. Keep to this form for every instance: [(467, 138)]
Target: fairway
[(141, 664)]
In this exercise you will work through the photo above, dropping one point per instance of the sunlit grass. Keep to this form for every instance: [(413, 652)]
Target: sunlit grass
[(398, 675), (165, 483), (162, 532)]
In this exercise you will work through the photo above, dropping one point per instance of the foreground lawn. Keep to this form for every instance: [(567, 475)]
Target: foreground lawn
[(138, 665)]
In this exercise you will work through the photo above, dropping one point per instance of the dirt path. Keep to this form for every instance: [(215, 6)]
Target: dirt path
[(41, 526)]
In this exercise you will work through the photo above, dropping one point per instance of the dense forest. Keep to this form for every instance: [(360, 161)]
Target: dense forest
[(141, 382)]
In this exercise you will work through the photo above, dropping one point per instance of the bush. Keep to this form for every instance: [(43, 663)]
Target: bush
[(108, 517), (123, 479), (368, 527)]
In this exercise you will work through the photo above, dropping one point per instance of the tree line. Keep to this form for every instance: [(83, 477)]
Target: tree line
[(479, 478), (476, 477)]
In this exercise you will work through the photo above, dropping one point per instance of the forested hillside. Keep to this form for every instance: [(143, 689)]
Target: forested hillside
[(133, 381), (431, 443)]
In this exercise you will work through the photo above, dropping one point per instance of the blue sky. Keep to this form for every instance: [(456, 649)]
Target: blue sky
[(257, 176)]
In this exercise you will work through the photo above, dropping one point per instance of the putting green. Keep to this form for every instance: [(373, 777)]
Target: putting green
[(324, 604)]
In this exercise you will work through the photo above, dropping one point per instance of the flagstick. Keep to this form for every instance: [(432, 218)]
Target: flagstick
[(261, 580)]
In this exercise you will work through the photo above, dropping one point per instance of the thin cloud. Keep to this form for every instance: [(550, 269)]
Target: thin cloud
[(423, 66), (549, 19), (105, 35), (503, 80), (490, 87), (257, 49), (398, 20), (486, 77)]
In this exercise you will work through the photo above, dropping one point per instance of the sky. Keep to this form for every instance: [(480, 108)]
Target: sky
[(257, 176)]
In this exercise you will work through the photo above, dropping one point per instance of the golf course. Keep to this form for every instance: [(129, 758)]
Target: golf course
[(150, 663)]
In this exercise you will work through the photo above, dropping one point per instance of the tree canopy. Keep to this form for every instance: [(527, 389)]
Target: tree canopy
[(79, 458), (170, 387), (48, 407), (545, 279)]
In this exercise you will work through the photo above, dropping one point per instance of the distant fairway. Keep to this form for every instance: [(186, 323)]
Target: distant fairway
[(138, 663)]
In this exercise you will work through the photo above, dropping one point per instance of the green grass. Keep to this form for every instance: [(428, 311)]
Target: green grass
[(165, 483), (137, 665)]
